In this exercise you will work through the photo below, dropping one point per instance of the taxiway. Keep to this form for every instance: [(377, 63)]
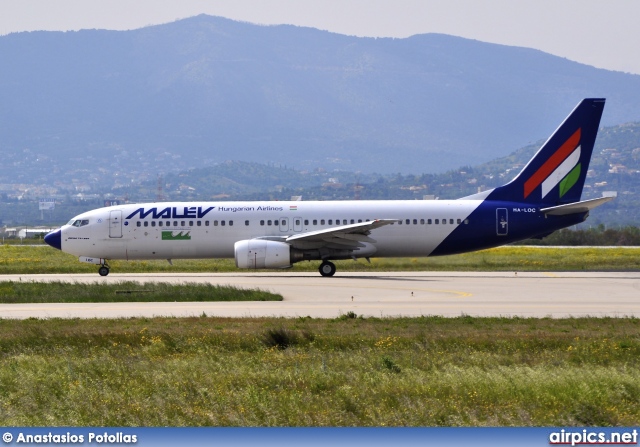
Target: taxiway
[(380, 294)]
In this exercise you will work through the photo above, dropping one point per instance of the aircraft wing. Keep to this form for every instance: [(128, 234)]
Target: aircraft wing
[(348, 237)]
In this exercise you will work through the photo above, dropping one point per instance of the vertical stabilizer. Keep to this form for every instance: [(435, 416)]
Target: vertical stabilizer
[(556, 173)]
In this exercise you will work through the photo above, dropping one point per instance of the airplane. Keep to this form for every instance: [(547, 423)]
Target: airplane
[(542, 198)]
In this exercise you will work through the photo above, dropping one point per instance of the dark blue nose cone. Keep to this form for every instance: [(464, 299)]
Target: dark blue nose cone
[(54, 239)]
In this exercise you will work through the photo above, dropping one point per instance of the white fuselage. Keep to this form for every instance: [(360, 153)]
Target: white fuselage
[(210, 229)]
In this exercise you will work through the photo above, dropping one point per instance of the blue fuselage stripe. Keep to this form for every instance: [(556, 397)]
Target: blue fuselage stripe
[(486, 230)]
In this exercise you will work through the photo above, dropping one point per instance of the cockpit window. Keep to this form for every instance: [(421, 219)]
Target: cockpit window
[(79, 222)]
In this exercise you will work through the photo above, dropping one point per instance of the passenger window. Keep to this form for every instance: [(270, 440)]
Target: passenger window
[(306, 221), (428, 221), (206, 223), (330, 222), (444, 221), (182, 224), (344, 221), (437, 221), (190, 223), (451, 221), (160, 223), (283, 222), (408, 221), (400, 222), (269, 222), (359, 220), (466, 221), (415, 221), (199, 223), (421, 221), (459, 221), (262, 223), (138, 224), (246, 222), (222, 223), (315, 222), (175, 223), (353, 221), (321, 221), (215, 223), (146, 224), (153, 223), (230, 223)]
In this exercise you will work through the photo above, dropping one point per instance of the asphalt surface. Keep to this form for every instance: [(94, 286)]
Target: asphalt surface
[(537, 294)]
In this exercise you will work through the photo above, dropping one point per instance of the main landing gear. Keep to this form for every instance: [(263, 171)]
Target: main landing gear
[(103, 270), (327, 268)]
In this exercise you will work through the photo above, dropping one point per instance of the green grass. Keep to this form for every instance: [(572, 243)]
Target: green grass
[(124, 291), (427, 371), (348, 371), (24, 260)]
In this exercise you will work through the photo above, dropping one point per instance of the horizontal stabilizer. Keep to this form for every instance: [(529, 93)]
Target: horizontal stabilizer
[(575, 208)]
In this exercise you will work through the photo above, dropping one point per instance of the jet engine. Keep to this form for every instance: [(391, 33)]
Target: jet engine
[(262, 254)]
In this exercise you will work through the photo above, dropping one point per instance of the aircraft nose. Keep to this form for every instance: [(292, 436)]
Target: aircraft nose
[(54, 239)]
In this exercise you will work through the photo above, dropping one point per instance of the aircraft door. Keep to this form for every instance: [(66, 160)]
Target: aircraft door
[(297, 224), (502, 221), (284, 224), (115, 223)]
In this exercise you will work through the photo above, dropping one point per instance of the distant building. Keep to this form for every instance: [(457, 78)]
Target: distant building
[(26, 232), (617, 169), (33, 232)]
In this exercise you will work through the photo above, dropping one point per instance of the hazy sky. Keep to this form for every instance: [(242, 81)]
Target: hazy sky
[(602, 33)]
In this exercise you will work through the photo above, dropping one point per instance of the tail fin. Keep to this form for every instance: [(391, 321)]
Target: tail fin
[(556, 174)]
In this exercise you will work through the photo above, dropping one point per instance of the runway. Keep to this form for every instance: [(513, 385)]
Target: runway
[(535, 294)]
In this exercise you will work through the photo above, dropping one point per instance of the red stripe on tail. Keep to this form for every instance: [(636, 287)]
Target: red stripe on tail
[(551, 164)]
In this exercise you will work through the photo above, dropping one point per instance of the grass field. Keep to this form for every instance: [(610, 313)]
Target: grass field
[(125, 291), (15, 259), (348, 371)]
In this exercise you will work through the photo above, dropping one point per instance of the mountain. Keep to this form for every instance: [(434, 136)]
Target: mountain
[(203, 90)]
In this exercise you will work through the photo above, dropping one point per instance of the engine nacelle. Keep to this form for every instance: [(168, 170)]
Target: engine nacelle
[(262, 254)]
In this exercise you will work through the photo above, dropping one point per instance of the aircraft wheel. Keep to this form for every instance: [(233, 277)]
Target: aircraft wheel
[(103, 271), (327, 268)]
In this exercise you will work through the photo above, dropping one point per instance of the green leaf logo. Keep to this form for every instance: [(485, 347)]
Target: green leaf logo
[(569, 180), (181, 236)]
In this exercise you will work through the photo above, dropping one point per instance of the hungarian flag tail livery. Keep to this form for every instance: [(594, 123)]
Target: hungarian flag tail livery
[(556, 174)]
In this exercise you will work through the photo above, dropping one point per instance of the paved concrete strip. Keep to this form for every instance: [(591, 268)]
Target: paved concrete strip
[(528, 294)]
